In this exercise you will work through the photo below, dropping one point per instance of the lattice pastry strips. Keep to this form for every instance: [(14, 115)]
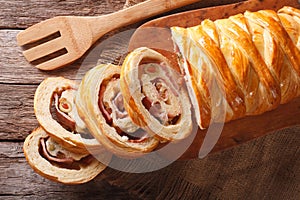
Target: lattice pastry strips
[(244, 65)]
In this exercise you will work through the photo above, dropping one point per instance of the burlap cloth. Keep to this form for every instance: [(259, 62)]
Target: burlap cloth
[(265, 168)]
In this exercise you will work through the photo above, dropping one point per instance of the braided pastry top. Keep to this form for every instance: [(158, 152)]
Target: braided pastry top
[(244, 65)]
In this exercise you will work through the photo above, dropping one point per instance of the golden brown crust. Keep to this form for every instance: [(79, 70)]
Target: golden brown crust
[(87, 102), (138, 86), (290, 19), (43, 100), (82, 174), (249, 63)]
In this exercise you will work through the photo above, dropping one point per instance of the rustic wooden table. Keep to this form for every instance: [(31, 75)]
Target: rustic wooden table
[(265, 168)]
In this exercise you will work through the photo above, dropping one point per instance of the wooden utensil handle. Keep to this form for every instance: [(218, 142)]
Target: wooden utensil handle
[(153, 7), (133, 14)]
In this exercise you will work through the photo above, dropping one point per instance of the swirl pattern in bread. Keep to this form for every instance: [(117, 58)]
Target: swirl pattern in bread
[(100, 104), (58, 93), (60, 165), (155, 96)]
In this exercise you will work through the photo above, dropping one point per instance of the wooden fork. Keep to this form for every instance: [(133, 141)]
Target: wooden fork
[(75, 35)]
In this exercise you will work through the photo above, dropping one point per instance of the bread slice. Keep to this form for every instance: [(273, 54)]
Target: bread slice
[(99, 103), (155, 95), (65, 167), (43, 101)]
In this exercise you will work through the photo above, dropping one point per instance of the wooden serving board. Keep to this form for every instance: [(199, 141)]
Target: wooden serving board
[(156, 34)]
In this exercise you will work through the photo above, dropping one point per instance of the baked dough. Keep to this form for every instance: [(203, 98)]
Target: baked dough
[(73, 168), (100, 104), (60, 89), (244, 65), (155, 96)]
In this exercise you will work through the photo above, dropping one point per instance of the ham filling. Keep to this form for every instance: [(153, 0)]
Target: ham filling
[(159, 87), (63, 117), (62, 158), (112, 107), (66, 113)]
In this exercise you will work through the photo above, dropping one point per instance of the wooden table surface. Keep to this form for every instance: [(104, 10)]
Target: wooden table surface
[(265, 168)]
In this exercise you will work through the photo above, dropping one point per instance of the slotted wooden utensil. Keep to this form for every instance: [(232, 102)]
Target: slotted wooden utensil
[(77, 34)]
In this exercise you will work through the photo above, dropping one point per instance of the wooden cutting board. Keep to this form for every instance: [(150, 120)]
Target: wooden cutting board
[(155, 34)]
